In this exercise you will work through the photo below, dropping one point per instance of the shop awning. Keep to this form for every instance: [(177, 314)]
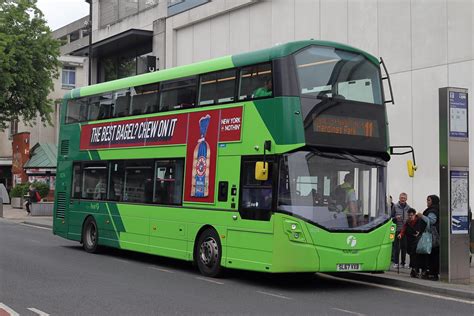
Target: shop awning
[(43, 155)]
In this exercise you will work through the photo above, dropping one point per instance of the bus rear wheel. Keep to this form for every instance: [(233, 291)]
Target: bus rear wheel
[(90, 236), (208, 253)]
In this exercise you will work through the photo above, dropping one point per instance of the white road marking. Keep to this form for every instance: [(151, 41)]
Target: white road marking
[(37, 311), (275, 295), (35, 241), (121, 260), (162, 270), (349, 312), (209, 280), (8, 310), (447, 298), (40, 227)]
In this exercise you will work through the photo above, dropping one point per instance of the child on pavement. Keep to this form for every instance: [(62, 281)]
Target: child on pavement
[(411, 230)]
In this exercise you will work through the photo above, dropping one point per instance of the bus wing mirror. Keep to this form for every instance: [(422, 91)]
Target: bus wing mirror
[(411, 168), (261, 171), (411, 164), (387, 77)]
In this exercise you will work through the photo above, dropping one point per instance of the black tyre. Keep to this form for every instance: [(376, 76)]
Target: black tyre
[(90, 236), (208, 253)]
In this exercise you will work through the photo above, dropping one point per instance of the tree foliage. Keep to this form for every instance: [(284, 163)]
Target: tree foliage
[(28, 63)]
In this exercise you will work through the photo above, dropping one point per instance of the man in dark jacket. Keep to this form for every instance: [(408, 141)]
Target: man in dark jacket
[(400, 216)]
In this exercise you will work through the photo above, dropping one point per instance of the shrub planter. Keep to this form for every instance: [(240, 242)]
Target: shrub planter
[(42, 209), (17, 202)]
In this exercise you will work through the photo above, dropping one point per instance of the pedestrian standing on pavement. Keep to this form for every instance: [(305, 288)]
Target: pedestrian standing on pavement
[(399, 216), (33, 197), (430, 263), (412, 231)]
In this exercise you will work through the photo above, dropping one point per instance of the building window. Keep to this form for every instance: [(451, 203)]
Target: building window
[(68, 77), (13, 128), (178, 6), (112, 11)]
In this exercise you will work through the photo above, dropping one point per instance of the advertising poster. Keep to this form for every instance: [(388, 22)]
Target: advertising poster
[(458, 114), (160, 130), (459, 202), (201, 156), (200, 131)]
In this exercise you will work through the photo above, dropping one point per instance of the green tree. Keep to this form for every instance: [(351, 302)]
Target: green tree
[(28, 63)]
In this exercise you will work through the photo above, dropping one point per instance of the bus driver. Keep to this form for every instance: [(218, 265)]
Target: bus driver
[(346, 199)]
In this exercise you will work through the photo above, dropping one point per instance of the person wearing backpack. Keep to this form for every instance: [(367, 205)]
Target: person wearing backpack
[(33, 197)]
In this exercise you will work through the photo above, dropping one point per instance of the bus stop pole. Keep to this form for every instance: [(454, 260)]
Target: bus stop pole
[(454, 185)]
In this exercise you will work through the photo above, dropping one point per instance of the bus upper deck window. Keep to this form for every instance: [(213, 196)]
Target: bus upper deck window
[(122, 103), (178, 94), (217, 87), (76, 110), (145, 99), (256, 82)]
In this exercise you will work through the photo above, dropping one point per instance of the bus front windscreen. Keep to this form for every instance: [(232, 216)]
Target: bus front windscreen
[(335, 191), (327, 72)]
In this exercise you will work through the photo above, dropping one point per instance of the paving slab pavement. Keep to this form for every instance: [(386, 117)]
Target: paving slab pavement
[(21, 216)]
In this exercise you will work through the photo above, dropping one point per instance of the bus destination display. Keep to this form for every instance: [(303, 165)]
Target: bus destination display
[(352, 126)]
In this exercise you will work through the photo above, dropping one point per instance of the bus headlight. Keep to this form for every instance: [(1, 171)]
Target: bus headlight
[(294, 230)]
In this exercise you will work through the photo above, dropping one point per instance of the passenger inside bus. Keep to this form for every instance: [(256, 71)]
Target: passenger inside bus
[(265, 90)]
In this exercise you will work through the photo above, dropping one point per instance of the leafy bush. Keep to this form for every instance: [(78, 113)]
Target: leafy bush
[(43, 188), (19, 190)]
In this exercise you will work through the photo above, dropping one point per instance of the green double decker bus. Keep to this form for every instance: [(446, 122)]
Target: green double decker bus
[(272, 161)]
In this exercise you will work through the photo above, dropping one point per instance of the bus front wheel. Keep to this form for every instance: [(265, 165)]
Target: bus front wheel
[(208, 253), (90, 236)]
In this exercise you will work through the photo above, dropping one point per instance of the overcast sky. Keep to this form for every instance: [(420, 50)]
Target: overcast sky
[(62, 12)]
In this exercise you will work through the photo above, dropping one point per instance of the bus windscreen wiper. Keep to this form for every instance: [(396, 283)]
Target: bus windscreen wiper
[(348, 156), (363, 161)]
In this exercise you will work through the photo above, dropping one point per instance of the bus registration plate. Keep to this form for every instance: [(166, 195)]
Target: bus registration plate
[(348, 267)]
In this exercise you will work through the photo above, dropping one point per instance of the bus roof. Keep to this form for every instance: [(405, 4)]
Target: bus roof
[(226, 62)]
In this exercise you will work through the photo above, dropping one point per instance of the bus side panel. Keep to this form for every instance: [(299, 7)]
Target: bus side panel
[(61, 200), (130, 223), (384, 258), (168, 238), (293, 254), (248, 249)]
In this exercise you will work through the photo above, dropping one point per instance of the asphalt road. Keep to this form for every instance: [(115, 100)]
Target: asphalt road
[(42, 273)]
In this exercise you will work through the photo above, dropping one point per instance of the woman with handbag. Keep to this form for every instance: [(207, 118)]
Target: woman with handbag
[(430, 262)]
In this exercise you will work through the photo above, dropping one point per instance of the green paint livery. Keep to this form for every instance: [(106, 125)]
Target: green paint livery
[(284, 243)]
